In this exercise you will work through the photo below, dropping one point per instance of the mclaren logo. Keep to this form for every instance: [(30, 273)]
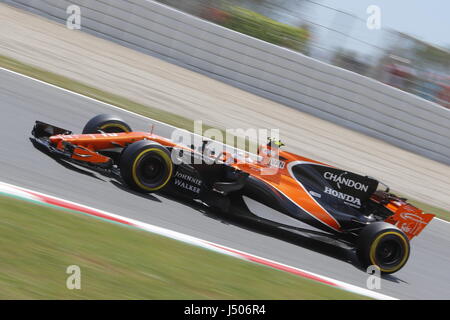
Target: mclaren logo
[(412, 216), (339, 179), (351, 200)]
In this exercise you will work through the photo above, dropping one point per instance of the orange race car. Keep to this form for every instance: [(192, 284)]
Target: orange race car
[(345, 205)]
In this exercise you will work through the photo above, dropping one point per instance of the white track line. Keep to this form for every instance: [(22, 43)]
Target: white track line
[(118, 108), (34, 196)]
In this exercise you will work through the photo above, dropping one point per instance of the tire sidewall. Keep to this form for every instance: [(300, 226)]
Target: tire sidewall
[(105, 121), (371, 237)]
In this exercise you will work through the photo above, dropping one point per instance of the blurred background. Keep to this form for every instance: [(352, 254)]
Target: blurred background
[(333, 35)]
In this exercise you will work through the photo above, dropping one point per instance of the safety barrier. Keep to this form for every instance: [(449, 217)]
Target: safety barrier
[(282, 75)]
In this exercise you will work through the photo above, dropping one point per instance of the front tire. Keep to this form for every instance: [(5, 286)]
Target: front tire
[(106, 123), (146, 166), (383, 245)]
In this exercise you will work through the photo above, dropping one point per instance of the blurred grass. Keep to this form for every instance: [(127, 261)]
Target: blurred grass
[(39, 243), (261, 27)]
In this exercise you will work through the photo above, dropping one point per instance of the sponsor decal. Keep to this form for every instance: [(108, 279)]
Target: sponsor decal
[(412, 223), (412, 216), (407, 228), (348, 199), (187, 182), (340, 179), (277, 163), (315, 194)]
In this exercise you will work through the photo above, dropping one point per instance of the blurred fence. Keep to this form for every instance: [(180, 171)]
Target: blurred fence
[(335, 37), (271, 71)]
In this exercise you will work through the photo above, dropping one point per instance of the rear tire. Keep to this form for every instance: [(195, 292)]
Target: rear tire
[(146, 166), (384, 245), (106, 123)]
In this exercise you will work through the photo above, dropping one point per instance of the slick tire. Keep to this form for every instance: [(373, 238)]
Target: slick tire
[(146, 166), (106, 123), (383, 245)]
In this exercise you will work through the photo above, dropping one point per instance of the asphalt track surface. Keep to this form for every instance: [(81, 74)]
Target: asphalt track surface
[(22, 101)]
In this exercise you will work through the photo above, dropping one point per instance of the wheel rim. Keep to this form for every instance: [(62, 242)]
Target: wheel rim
[(390, 252), (151, 170)]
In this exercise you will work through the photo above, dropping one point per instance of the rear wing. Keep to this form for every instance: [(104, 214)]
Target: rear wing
[(410, 219)]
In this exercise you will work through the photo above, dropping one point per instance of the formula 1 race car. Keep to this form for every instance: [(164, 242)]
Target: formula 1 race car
[(344, 205)]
